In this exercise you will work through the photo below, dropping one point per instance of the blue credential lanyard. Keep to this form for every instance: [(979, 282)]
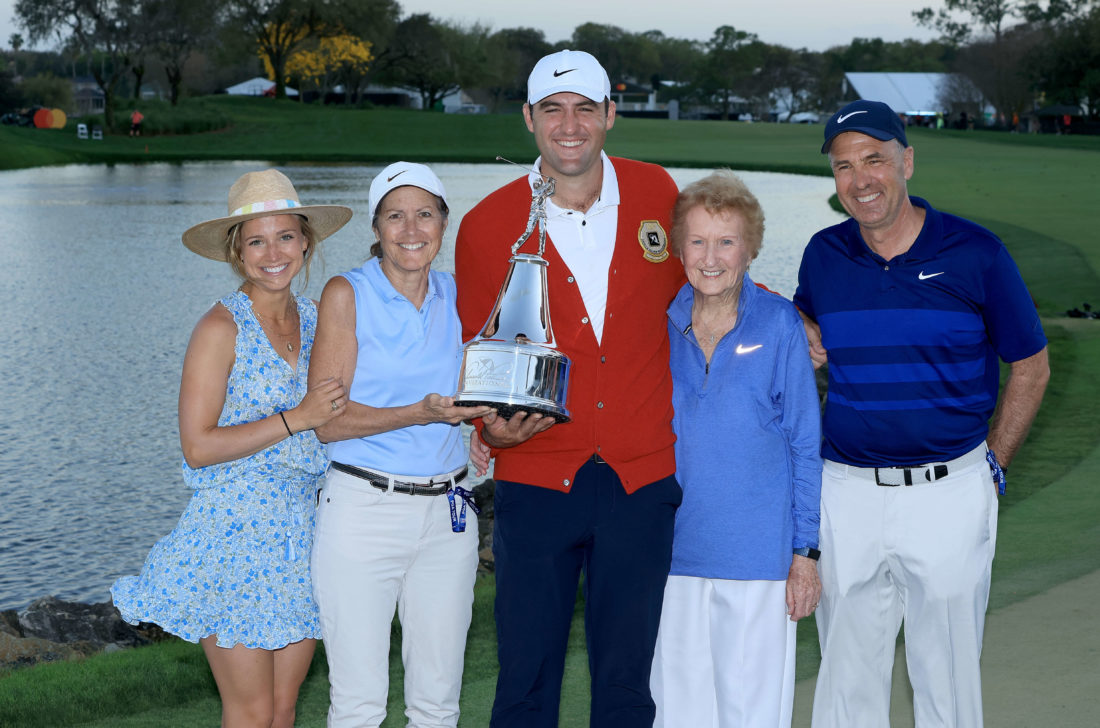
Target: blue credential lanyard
[(458, 520), (994, 466)]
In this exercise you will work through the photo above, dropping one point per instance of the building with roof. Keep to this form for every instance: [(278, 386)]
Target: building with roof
[(258, 86)]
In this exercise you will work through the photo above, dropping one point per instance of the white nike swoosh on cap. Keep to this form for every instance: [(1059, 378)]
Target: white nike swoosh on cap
[(742, 349), (924, 277), (844, 117)]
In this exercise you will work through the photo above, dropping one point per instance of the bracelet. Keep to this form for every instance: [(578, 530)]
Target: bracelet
[(286, 425)]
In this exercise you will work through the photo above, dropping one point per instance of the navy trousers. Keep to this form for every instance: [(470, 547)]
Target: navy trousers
[(542, 542)]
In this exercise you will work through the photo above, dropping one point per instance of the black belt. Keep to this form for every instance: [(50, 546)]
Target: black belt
[(381, 482)]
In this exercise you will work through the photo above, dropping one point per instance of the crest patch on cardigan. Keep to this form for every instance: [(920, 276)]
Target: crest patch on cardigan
[(654, 241)]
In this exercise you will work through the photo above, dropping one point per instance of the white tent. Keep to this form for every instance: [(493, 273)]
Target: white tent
[(256, 87), (915, 94)]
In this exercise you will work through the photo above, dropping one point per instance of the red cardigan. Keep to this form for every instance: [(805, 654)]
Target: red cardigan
[(620, 392)]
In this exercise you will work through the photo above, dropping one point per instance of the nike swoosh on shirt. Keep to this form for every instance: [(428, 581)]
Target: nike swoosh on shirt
[(742, 349), (924, 277), (391, 179), (562, 73), (844, 117)]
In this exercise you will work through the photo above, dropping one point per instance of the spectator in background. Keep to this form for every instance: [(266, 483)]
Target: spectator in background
[(136, 118)]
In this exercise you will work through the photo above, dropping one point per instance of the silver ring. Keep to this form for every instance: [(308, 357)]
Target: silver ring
[(334, 405)]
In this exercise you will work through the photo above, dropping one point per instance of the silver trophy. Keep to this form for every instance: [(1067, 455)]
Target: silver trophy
[(513, 365)]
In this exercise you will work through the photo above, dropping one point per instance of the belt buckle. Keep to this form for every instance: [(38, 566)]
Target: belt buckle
[(432, 487), (932, 473), (906, 477)]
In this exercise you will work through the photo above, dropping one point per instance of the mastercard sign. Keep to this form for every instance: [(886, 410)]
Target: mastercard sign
[(50, 119)]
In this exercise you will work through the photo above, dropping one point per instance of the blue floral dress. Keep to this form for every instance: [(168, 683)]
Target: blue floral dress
[(237, 563)]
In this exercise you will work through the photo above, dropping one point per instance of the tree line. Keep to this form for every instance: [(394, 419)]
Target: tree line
[(1014, 54), (1021, 54)]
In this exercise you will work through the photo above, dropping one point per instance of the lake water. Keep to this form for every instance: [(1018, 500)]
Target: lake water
[(100, 299)]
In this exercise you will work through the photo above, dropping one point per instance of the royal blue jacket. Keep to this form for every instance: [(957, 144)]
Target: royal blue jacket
[(748, 438)]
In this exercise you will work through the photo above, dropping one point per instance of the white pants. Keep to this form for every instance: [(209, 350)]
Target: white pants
[(373, 551), (922, 554), (725, 655)]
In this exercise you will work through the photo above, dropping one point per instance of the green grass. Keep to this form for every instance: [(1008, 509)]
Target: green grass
[(286, 132), (65, 693), (1052, 141), (1049, 530), (1037, 192), (170, 685)]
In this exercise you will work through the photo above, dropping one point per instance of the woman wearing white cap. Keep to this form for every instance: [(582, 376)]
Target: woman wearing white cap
[(390, 330), (234, 573)]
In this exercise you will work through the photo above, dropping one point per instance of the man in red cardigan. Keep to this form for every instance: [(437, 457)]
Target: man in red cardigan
[(596, 495)]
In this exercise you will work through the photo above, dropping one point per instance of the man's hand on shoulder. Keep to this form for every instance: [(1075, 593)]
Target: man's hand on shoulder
[(818, 355), (519, 428)]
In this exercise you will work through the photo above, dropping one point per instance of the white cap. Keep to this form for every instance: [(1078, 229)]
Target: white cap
[(403, 174), (574, 71)]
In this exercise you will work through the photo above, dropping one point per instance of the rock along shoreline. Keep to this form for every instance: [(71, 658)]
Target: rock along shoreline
[(51, 629)]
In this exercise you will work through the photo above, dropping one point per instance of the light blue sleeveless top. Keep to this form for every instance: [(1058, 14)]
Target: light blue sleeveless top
[(404, 354)]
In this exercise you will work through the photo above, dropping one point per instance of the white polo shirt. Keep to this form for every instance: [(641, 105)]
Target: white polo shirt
[(586, 241)]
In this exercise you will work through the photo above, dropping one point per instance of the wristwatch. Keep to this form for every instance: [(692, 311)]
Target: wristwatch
[(808, 552)]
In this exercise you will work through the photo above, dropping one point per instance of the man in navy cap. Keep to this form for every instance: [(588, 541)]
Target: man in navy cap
[(914, 309)]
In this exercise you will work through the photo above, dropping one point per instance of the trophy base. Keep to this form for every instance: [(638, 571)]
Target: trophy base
[(507, 409), (514, 377)]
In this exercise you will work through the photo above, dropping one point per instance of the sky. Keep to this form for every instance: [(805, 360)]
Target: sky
[(813, 24)]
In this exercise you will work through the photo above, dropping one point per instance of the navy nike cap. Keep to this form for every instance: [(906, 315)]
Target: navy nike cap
[(873, 118)]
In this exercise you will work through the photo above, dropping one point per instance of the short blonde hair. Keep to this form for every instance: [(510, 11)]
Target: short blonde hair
[(233, 248), (719, 193)]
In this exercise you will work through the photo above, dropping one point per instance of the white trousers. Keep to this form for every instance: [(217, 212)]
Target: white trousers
[(922, 554), (374, 551), (725, 655)]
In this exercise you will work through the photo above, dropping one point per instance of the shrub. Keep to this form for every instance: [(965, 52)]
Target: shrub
[(191, 116), (46, 89), (11, 95)]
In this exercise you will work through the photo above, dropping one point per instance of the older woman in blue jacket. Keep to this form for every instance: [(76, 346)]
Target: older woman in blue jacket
[(747, 421)]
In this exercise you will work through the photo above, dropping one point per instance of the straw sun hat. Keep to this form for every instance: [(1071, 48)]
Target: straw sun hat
[(257, 194)]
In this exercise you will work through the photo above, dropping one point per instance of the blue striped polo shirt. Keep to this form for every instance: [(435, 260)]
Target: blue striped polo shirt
[(914, 342)]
